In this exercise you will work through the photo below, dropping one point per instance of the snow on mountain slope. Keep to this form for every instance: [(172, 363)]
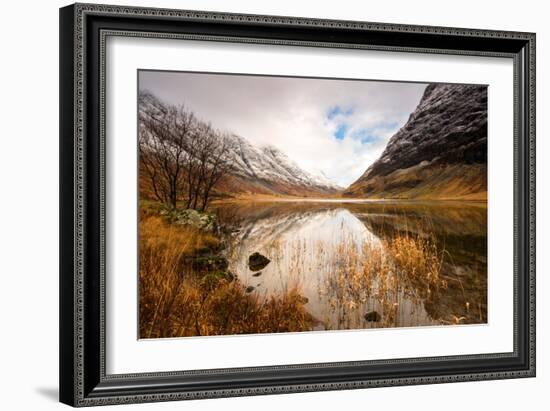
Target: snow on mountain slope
[(256, 170), (269, 165)]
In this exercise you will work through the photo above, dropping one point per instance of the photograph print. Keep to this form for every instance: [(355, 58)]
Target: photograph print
[(271, 204)]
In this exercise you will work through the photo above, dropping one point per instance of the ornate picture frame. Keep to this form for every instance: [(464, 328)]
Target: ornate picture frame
[(84, 30)]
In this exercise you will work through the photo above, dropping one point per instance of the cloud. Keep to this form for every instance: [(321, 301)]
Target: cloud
[(338, 127)]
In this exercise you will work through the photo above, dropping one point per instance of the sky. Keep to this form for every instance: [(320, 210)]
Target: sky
[(337, 127)]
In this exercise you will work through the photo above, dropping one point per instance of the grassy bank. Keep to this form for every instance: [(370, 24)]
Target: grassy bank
[(425, 182), (186, 290)]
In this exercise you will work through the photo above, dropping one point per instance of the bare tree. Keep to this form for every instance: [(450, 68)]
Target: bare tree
[(218, 164), (180, 156), (201, 151), (163, 134)]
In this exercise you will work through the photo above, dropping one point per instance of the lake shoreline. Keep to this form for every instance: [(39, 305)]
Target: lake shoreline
[(327, 266), (344, 200), (322, 244)]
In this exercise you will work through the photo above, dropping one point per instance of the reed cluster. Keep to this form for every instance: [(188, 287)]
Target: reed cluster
[(380, 276)]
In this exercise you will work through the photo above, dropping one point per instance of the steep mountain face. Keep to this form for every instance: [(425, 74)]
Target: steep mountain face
[(267, 170), (440, 153)]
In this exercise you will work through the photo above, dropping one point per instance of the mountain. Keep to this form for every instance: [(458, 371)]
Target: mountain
[(440, 153), (255, 170), (267, 170)]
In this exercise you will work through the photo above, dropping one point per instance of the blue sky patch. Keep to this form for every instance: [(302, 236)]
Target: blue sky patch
[(337, 110), (341, 131)]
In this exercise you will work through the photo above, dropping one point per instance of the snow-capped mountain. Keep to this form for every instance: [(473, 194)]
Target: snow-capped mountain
[(440, 153), (270, 168), (255, 170)]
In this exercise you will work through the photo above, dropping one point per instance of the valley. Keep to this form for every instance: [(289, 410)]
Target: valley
[(237, 238)]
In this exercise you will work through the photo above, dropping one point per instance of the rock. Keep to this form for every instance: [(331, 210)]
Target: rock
[(249, 289), (256, 261), (209, 263), (373, 316), (206, 251), (202, 220), (257, 274)]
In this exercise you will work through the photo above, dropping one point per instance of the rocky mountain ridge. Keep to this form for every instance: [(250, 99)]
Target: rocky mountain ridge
[(440, 153)]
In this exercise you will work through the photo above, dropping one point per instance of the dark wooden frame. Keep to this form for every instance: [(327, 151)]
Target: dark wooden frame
[(83, 30)]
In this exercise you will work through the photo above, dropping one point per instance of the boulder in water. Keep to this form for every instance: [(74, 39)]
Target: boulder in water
[(373, 316), (257, 262)]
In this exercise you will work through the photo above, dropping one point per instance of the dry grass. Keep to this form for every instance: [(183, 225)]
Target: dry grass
[(173, 240), (380, 275), (418, 260), (177, 300), (449, 182)]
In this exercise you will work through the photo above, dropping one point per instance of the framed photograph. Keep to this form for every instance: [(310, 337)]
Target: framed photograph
[(261, 204)]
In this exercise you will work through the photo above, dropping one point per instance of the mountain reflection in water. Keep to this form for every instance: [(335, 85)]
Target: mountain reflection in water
[(323, 247)]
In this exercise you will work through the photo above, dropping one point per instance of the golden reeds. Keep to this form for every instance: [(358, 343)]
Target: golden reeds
[(379, 275)]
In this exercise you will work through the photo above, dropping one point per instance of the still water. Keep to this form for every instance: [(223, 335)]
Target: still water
[(324, 248)]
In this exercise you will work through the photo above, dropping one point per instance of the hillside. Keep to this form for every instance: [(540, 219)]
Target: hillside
[(263, 170), (267, 170), (440, 153)]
